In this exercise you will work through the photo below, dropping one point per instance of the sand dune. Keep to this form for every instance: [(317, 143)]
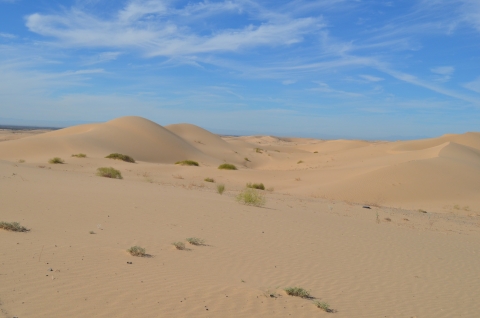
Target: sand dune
[(412, 253)]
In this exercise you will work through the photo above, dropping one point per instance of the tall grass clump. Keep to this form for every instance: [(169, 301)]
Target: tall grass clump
[(220, 188), (136, 251), (119, 156), (258, 186), (227, 166), (13, 226), (109, 172), (297, 291), (79, 155), (56, 160), (179, 245), (187, 163), (250, 196)]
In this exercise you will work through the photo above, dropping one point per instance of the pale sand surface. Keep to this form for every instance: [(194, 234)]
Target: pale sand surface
[(387, 261)]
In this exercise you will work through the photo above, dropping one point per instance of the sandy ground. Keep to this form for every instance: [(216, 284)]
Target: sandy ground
[(414, 252)]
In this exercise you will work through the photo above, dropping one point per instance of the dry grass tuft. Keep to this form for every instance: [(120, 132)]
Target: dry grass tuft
[(220, 188), (79, 155), (209, 180), (227, 166), (297, 291), (196, 241), (250, 196), (137, 251), (56, 160), (258, 186), (119, 156), (187, 163), (109, 172), (179, 245), (13, 226)]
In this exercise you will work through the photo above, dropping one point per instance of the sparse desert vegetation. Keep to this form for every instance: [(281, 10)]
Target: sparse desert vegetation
[(220, 188), (56, 160), (13, 226), (195, 241), (79, 155), (179, 245), (246, 159), (119, 156), (209, 180), (227, 166), (297, 292), (136, 251), (258, 150), (258, 186), (250, 196), (322, 305), (300, 161), (109, 172), (187, 163), (21, 161)]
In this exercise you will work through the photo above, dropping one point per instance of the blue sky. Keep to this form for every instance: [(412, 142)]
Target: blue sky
[(361, 69)]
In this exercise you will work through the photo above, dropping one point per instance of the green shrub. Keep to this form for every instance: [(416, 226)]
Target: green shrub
[(250, 196), (80, 155), (56, 160), (118, 156), (209, 180), (13, 226), (195, 241), (322, 305), (179, 245), (220, 188), (227, 166), (297, 291), (137, 251), (109, 172), (187, 163), (258, 186)]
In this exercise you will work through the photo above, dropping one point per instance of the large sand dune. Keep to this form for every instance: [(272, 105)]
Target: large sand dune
[(414, 252)]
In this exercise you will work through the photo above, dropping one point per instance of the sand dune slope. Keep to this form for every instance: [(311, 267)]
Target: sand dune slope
[(140, 138)]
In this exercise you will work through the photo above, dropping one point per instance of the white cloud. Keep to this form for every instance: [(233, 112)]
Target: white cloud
[(443, 70), (133, 28), (288, 82), (474, 85), (371, 78), (325, 88), (7, 35)]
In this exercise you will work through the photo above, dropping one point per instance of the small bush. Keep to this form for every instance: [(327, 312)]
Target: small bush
[(322, 305), (21, 161), (187, 163), (109, 172), (79, 155), (299, 161), (220, 188), (56, 160), (258, 186), (118, 156), (227, 166), (246, 159), (251, 196), (13, 226), (259, 150), (91, 232), (297, 291), (179, 245), (137, 251), (195, 241), (208, 180), (315, 152)]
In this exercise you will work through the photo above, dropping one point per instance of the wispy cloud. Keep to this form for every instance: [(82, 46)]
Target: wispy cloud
[(7, 35), (371, 78)]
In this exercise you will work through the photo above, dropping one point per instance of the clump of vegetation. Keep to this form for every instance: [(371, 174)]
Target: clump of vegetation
[(220, 188), (119, 156), (299, 161), (250, 196), (91, 232), (208, 180), (227, 166), (322, 305), (21, 161), (187, 163), (258, 186), (13, 226), (297, 291), (56, 160), (315, 152), (422, 211), (109, 172), (258, 150), (246, 159), (179, 245), (79, 155), (137, 251), (195, 241)]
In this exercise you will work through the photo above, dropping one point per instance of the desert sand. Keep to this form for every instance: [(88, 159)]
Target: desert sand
[(375, 229)]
